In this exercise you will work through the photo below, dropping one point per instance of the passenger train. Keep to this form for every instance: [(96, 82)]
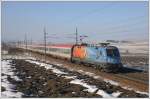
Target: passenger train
[(101, 56)]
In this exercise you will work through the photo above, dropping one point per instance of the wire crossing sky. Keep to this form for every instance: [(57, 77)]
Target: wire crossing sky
[(99, 20)]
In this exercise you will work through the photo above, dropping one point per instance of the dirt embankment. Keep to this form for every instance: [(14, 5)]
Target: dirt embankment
[(41, 82)]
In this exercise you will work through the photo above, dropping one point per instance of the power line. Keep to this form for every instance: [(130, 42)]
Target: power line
[(124, 24), (119, 31), (120, 27), (92, 12), (55, 34)]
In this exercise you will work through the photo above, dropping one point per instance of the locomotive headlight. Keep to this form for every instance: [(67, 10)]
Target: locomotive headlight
[(110, 60)]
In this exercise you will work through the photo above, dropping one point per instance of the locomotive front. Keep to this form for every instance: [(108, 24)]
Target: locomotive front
[(113, 58)]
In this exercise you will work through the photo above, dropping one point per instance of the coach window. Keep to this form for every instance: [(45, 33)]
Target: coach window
[(65, 51), (52, 49)]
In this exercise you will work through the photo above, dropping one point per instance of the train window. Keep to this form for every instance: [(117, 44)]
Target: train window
[(66, 51), (49, 49), (52, 49), (112, 52), (42, 48), (100, 53)]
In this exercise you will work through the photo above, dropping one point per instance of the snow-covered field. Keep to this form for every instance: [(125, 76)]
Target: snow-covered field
[(7, 70), (134, 47)]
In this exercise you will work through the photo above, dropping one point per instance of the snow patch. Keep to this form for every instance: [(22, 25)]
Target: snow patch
[(104, 94), (98, 77), (146, 93), (70, 77), (129, 88), (90, 88), (116, 94), (9, 88), (59, 64), (111, 82), (58, 71), (16, 78), (47, 66), (8, 94)]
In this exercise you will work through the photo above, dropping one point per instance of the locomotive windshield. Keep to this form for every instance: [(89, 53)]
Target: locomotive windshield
[(112, 52)]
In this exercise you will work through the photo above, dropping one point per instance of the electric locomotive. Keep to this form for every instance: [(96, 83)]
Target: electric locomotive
[(101, 56)]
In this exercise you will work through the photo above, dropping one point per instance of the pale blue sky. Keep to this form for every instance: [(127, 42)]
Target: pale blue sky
[(98, 20)]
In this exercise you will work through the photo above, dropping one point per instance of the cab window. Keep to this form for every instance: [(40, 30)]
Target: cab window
[(112, 52)]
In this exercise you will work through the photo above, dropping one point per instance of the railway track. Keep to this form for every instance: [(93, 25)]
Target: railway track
[(132, 79), (122, 79)]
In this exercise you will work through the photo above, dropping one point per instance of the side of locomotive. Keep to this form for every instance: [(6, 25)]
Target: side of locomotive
[(106, 58)]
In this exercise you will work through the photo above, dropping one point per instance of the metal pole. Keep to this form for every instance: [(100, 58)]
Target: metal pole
[(76, 36), (18, 44), (45, 44), (26, 41), (31, 41)]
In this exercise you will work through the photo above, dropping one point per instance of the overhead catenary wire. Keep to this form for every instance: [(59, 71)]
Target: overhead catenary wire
[(119, 28), (94, 11), (123, 25)]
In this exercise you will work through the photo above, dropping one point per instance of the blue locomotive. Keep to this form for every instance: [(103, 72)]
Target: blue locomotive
[(102, 56)]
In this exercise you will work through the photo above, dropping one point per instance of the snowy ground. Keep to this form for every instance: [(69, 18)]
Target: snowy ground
[(90, 88), (9, 91), (133, 47)]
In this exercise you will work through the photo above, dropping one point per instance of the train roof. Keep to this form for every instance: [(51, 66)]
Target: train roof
[(53, 46), (61, 45), (94, 45), (69, 46), (102, 45)]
